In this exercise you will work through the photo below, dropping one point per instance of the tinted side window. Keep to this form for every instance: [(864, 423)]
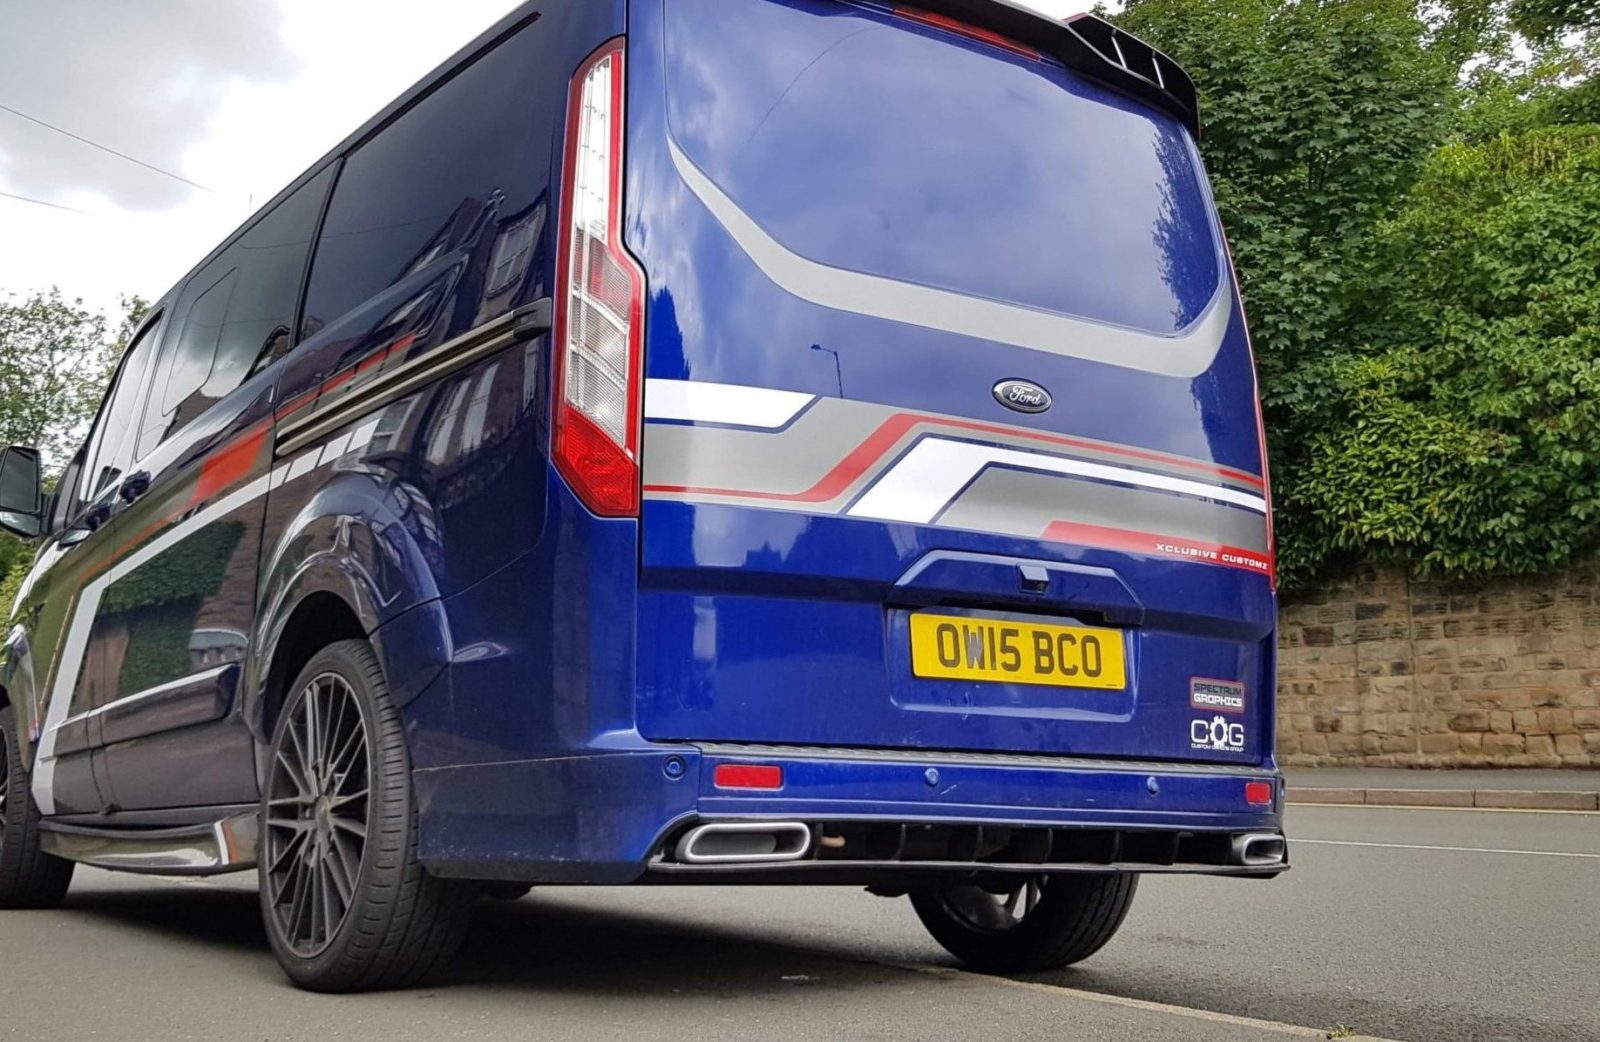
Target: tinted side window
[(235, 311), (458, 182), (108, 445)]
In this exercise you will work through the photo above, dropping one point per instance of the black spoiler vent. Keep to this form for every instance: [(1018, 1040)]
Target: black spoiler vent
[(1090, 45)]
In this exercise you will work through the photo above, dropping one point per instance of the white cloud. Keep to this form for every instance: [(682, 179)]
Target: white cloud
[(331, 66), (349, 59)]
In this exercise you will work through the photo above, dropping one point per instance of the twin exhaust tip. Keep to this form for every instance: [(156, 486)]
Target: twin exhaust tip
[(1255, 849), (745, 841), (764, 842)]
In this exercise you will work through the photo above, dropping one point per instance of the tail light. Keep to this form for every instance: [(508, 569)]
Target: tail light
[(599, 322)]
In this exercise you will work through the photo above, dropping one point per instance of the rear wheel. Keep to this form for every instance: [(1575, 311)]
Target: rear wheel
[(347, 904), (1041, 922), (29, 878)]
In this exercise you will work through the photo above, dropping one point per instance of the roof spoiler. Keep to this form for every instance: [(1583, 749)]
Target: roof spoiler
[(1087, 44)]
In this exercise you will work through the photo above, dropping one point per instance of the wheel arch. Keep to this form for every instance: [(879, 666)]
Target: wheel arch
[(321, 618), (347, 564)]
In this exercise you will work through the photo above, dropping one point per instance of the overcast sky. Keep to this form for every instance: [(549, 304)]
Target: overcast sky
[(237, 96)]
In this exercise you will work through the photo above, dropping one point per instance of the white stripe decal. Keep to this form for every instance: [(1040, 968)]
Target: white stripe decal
[(335, 448), (77, 641), (303, 464), (933, 473), (703, 402), (149, 692), (88, 606)]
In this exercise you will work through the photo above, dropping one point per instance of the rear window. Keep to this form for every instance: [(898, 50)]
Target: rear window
[(870, 142)]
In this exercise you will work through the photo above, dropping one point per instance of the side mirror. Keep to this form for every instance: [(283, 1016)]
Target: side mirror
[(21, 492)]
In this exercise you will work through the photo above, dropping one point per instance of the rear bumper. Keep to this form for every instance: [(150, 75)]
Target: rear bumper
[(610, 816)]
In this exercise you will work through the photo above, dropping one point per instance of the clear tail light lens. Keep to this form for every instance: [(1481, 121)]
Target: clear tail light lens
[(600, 306)]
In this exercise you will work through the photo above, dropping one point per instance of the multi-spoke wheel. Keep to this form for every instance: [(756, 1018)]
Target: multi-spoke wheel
[(1020, 925), (29, 878), (316, 814), (347, 904)]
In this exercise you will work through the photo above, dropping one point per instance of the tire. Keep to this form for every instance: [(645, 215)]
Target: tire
[(29, 878), (346, 903), (1065, 918)]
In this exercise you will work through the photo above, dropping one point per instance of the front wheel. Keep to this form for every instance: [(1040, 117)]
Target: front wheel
[(29, 878), (1041, 922), (347, 904)]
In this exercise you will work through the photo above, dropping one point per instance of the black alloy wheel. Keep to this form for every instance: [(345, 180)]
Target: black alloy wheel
[(347, 903)]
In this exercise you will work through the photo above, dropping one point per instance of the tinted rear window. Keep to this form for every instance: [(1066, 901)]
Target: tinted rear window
[(869, 142)]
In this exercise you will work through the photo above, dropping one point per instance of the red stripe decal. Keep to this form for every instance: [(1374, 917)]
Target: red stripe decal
[(229, 465), (835, 481), (1115, 450), (294, 405), (895, 427), (1153, 545)]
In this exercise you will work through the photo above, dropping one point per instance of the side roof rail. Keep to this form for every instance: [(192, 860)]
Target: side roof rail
[(1087, 44)]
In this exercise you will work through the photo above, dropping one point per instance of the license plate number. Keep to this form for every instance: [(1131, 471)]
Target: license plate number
[(960, 647)]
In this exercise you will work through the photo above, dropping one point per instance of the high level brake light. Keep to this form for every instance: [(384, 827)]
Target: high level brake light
[(599, 322), (960, 28)]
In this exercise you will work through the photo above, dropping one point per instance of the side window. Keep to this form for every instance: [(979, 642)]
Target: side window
[(108, 446), (234, 315), (461, 177), (196, 358)]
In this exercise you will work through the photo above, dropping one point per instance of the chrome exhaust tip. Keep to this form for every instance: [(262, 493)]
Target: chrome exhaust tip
[(744, 841), (1259, 849)]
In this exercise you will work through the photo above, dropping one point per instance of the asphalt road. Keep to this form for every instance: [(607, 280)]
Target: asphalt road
[(1396, 939)]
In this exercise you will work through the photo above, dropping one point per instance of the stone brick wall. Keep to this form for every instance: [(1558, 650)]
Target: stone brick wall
[(1385, 671)]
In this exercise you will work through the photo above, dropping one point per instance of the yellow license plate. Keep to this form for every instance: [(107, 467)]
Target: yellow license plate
[(959, 647)]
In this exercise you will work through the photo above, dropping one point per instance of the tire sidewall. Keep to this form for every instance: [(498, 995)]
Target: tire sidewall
[(1036, 942), (340, 659), (18, 793)]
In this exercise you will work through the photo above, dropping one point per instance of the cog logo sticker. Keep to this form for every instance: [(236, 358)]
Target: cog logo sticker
[(1210, 695), (1218, 735)]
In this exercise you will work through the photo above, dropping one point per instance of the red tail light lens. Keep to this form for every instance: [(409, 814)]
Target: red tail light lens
[(1258, 793), (599, 323)]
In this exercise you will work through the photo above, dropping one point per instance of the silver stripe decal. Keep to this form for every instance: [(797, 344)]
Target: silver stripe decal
[(700, 401), (932, 474), (150, 692), (1186, 354)]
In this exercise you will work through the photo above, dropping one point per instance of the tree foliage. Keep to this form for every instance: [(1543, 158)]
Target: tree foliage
[(1417, 251), (1462, 435), (55, 358)]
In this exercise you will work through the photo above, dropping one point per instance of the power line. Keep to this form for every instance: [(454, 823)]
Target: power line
[(103, 148), (41, 202)]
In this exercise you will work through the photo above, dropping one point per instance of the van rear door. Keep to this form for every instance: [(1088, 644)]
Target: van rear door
[(951, 437)]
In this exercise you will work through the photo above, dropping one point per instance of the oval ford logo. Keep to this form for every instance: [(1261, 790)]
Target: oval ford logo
[(1022, 395)]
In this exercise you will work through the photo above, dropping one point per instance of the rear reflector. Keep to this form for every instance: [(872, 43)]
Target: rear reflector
[(747, 776), (600, 304), (1258, 793)]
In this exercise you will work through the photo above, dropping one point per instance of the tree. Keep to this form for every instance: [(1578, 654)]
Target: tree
[(1319, 114), (55, 357), (1463, 437)]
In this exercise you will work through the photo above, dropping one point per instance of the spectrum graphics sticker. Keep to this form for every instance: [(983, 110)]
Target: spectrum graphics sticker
[(1216, 696)]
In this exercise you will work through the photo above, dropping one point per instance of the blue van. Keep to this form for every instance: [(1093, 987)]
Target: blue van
[(678, 442)]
